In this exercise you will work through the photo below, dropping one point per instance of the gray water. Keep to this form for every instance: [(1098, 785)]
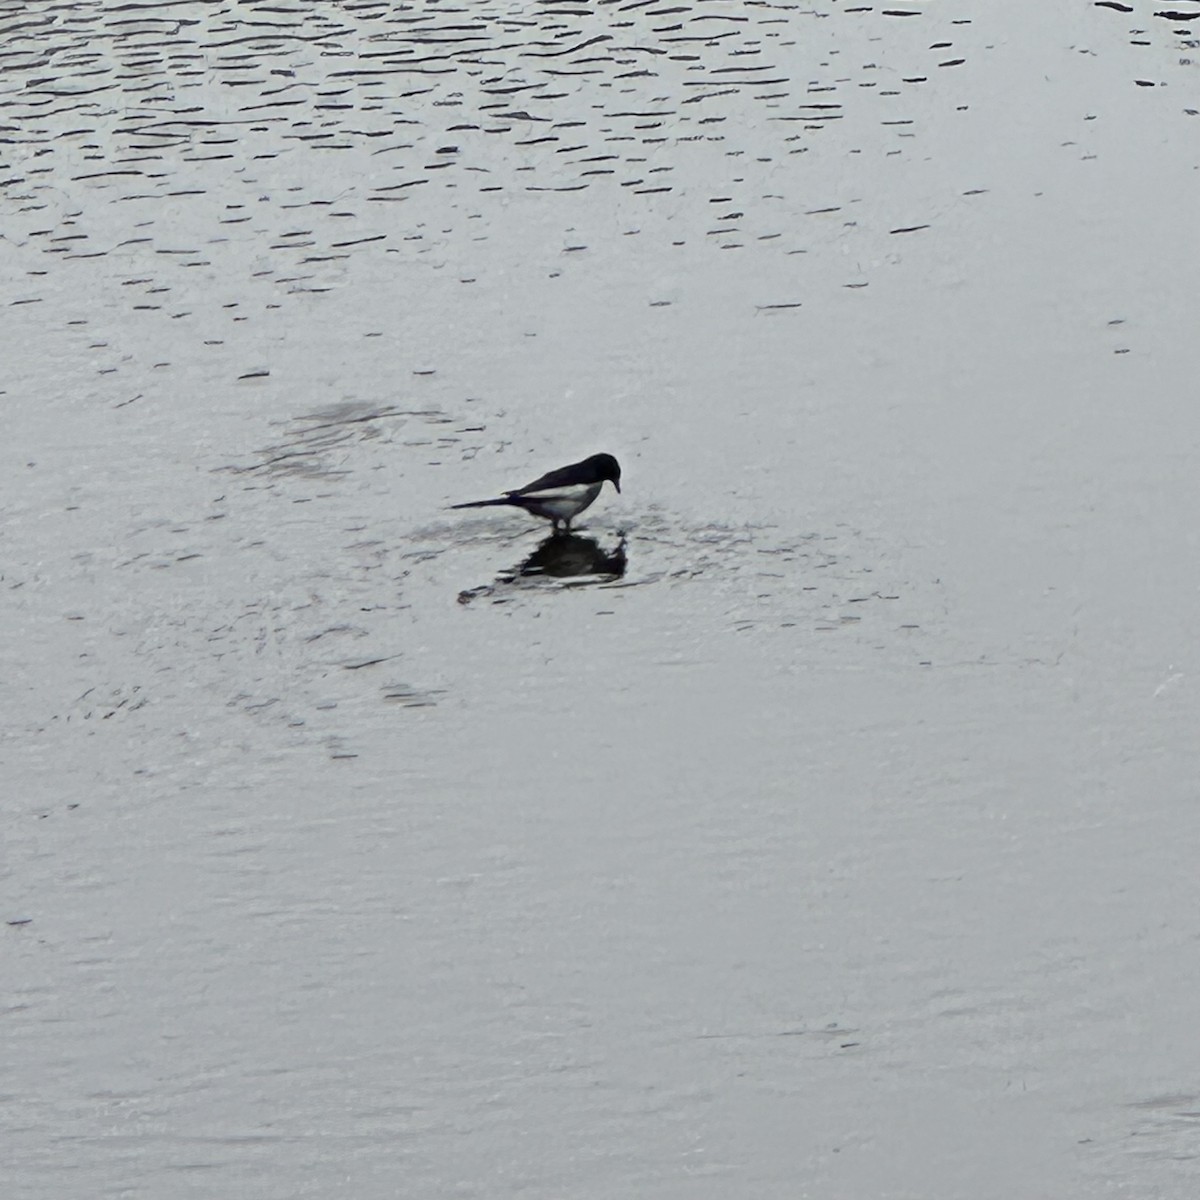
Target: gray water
[(833, 834)]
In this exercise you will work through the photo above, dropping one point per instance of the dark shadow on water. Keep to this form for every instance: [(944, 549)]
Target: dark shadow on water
[(570, 555), (559, 557)]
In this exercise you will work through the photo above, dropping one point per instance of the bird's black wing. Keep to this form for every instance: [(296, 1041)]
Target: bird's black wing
[(563, 477)]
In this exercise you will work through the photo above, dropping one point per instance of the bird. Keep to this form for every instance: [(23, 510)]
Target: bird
[(560, 496)]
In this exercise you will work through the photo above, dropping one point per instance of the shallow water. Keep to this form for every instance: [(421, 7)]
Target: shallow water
[(820, 821)]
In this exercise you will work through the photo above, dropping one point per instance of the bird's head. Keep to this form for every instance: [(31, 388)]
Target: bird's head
[(607, 467)]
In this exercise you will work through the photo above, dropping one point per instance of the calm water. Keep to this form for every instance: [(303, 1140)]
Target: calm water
[(820, 821)]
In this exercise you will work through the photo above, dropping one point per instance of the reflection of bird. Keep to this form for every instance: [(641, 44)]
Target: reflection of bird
[(560, 495), (564, 556)]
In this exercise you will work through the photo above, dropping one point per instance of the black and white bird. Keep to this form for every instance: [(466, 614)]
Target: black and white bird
[(560, 496)]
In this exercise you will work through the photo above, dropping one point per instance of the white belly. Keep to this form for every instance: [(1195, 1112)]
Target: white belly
[(561, 504)]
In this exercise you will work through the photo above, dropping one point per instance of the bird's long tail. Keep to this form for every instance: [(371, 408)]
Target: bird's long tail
[(482, 503)]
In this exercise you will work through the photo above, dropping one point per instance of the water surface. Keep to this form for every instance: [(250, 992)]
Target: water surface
[(819, 821)]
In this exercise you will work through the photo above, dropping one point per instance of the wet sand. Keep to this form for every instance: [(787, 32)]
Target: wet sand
[(820, 822)]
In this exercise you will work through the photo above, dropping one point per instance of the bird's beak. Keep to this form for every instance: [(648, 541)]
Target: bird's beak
[(617, 484)]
